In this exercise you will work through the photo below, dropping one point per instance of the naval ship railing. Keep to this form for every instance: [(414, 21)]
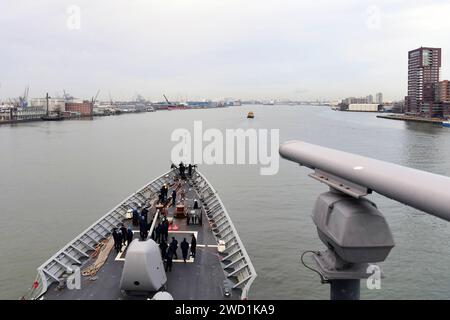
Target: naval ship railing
[(235, 261), (61, 264)]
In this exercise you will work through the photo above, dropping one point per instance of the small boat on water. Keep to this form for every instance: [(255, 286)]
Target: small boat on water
[(250, 115), (52, 117), (446, 123)]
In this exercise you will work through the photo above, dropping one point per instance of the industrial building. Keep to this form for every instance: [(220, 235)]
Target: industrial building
[(84, 108), (363, 107), (54, 104)]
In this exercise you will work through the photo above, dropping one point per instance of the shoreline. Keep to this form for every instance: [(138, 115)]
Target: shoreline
[(411, 118), (19, 121)]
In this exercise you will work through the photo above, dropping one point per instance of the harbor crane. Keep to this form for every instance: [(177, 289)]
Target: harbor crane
[(94, 99), (23, 101), (168, 102), (67, 96)]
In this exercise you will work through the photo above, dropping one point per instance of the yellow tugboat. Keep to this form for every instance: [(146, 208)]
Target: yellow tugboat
[(250, 115)]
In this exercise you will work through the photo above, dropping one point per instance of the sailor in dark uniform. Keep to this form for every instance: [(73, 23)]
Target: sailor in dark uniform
[(161, 192), (163, 248), (158, 231), (166, 192), (193, 246), (135, 217), (165, 230), (174, 197), (184, 249), (129, 236), (117, 240), (174, 247), (169, 258), (123, 234), (143, 228), (144, 213), (182, 169)]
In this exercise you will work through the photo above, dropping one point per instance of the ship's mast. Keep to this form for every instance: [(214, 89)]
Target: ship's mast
[(47, 97)]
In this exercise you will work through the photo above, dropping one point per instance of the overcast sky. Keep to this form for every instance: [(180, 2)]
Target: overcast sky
[(216, 48)]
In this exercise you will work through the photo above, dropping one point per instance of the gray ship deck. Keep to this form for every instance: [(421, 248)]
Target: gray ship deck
[(199, 278)]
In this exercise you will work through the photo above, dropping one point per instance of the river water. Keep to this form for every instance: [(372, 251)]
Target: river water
[(57, 178)]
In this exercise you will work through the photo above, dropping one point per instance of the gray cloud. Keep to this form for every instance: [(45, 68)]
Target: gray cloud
[(212, 49)]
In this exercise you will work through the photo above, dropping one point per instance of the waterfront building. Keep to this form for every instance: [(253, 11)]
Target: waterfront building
[(423, 78), (369, 98), (22, 114), (363, 107), (201, 104), (353, 100), (379, 98), (29, 113), (446, 109), (5, 114), (84, 108), (54, 104), (443, 93), (443, 96)]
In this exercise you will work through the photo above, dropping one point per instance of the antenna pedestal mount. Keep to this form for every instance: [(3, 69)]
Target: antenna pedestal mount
[(356, 235)]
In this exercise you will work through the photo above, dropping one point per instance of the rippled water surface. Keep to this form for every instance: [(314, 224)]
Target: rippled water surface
[(57, 178)]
